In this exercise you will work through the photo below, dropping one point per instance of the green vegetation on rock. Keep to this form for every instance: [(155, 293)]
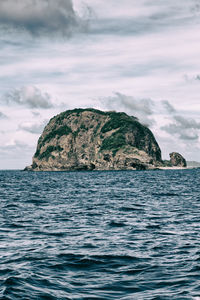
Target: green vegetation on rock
[(48, 152), (83, 127), (59, 118), (117, 120), (167, 163), (60, 131), (97, 128), (113, 142)]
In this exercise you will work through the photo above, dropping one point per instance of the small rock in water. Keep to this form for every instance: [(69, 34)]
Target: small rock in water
[(177, 160)]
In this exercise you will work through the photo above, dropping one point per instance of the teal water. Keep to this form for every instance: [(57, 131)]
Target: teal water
[(100, 235)]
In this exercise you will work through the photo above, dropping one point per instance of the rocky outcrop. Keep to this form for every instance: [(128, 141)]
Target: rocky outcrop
[(89, 139), (177, 160)]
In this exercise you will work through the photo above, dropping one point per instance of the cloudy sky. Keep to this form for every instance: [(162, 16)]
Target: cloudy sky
[(141, 57)]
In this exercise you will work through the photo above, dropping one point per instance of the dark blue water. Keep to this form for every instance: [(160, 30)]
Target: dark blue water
[(100, 235)]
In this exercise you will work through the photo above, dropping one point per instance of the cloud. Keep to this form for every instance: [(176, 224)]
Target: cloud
[(148, 110), (35, 128), (139, 108), (13, 144), (40, 17), (197, 77), (169, 108), (15, 152), (14, 147), (143, 17), (35, 113), (187, 123), (29, 96), (190, 136), (186, 129), (3, 116), (195, 9)]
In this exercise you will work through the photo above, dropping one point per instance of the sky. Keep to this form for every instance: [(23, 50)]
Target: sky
[(140, 57)]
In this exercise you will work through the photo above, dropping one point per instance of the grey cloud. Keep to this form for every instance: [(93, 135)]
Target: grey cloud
[(189, 136), (186, 129), (35, 128), (191, 79), (36, 113), (3, 116), (140, 108), (195, 8), (29, 96), (136, 26), (197, 77), (40, 17), (169, 108), (165, 15), (187, 123), (183, 134), (146, 109)]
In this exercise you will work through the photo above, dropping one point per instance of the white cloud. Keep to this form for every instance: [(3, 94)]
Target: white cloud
[(29, 96), (33, 127), (15, 155)]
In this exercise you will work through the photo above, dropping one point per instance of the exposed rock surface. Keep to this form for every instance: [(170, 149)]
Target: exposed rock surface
[(89, 139), (177, 160)]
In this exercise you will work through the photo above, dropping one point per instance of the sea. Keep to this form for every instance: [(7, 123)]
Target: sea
[(130, 235)]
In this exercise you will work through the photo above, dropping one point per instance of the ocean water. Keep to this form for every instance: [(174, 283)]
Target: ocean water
[(100, 235)]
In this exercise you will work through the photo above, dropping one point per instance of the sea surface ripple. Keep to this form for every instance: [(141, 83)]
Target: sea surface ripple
[(100, 235)]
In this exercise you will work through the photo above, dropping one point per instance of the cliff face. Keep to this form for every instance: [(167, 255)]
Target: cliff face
[(88, 139)]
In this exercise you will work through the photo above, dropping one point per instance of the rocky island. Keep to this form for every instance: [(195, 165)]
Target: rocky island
[(177, 159), (90, 139)]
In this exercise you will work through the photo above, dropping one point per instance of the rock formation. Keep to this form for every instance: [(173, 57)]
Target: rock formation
[(89, 139), (177, 160)]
